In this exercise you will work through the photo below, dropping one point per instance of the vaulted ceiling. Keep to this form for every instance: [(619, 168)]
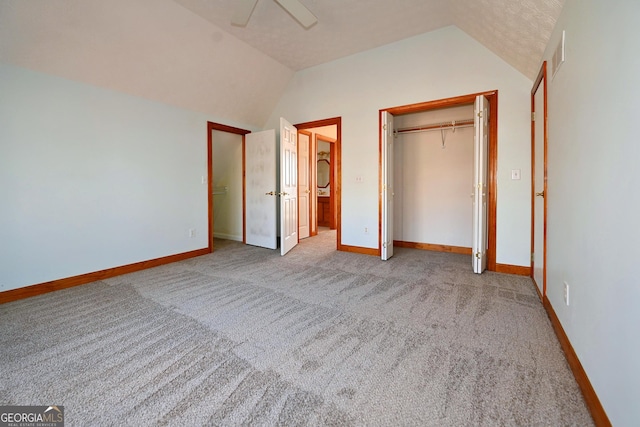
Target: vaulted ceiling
[(517, 31), (187, 54)]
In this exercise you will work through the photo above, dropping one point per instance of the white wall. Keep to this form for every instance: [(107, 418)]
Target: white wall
[(328, 131), (593, 197), (432, 183), (227, 172), (92, 179), (436, 65), (155, 49)]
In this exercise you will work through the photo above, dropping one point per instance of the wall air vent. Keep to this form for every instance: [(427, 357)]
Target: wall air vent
[(558, 56)]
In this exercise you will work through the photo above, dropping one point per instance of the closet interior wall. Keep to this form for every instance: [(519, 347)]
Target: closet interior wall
[(227, 185), (433, 179)]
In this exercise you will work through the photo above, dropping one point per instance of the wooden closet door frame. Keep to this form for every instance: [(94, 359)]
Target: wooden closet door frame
[(492, 171), (211, 126), (539, 84)]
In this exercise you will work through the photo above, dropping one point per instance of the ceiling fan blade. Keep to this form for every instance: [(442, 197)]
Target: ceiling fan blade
[(243, 12), (299, 12)]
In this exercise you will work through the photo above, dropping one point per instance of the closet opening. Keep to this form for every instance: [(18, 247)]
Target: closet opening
[(226, 183), (433, 157)]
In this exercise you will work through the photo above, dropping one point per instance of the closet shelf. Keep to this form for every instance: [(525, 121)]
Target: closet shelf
[(220, 190), (454, 124)]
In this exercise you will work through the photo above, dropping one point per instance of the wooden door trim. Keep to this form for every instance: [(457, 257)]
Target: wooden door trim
[(332, 172), (337, 189), (310, 182), (211, 126), (541, 79), (492, 166)]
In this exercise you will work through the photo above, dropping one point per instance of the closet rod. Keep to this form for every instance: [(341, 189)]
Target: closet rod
[(434, 129), (438, 126)]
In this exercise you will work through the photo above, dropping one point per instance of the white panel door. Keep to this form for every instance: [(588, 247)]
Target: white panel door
[(304, 186), (539, 188), (387, 186), (260, 168), (480, 161), (288, 186)]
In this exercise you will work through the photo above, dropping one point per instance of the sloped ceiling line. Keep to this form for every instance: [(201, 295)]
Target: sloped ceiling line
[(516, 31), (186, 53)]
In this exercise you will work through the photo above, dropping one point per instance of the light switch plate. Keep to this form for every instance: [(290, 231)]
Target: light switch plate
[(515, 174)]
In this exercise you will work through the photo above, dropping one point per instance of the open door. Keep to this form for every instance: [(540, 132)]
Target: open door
[(288, 186), (480, 152), (387, 186), (539, 180), (261, 208)]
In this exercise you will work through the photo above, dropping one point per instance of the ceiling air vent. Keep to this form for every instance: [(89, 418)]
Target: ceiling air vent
[(558, 56)]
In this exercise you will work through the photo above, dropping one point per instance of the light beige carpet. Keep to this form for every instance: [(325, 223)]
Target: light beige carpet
[(318, 337)]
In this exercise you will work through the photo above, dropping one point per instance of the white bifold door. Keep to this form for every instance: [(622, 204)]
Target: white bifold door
[(480, 162), (387, 186)]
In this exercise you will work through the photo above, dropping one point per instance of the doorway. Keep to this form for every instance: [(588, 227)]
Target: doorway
[(539, 182), (317, 133), (217, 190), (225, 182), (485, 196), (325, 171)]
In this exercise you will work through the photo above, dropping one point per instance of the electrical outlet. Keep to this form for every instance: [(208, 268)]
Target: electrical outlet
[(192, 232), (566, 293), (366, 230)]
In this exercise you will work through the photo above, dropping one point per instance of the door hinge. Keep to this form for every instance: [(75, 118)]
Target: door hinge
[(532, 256), (533, 116), (480, 114), (384, 127), (478, 255)]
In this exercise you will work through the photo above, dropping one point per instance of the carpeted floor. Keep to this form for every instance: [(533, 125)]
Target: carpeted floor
[(318, 337)]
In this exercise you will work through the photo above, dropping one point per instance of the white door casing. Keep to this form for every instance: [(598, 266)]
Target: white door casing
[(288, 186), (480, 190), (387, 186), (260, 168), (304, 186), (539, 192)]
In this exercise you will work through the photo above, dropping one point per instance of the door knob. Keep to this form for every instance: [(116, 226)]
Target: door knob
[(307, 191), (270, 193), (540, 194)]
